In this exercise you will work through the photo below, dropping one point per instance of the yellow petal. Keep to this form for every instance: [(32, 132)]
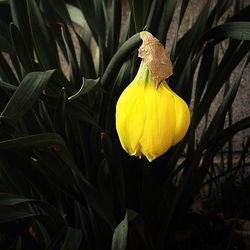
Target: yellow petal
[(130, 116), (159, 124), (182, 118)]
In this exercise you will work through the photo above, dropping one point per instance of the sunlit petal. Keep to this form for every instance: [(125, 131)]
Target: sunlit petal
[(182, 118), (130, 116), (159, 124)]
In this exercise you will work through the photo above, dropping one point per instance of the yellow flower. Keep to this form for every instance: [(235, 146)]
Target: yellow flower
[(150, 120)]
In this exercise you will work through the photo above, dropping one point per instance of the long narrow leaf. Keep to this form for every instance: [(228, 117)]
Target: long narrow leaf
[(124, 51), (26, 95), (23, 53), (60, 7), (73, 239), (233, 30), (75, 76), (87, 86), (166, 18), (6, 85), (20, 18), (78, 18), (5, 45), (11, 199), (119, 240), (44, 44), (8, 213), (228, 63), (114, 26), (224, 107), (6, 72), (90, 16)]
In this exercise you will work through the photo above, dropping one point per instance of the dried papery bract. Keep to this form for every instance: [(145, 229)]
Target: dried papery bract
[(155, 57)]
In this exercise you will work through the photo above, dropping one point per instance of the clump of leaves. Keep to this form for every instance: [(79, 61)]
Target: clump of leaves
[(65, 181)]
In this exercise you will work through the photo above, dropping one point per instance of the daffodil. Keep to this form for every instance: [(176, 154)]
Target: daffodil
[(150, 117)]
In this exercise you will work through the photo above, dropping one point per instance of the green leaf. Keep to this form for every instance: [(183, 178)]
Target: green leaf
[(60, 7), (87, 66), (204, 71), (82, 221), (76, 15), (119, 240), (23, 53), (6, 72), (9, 179), (140, 11), (111, 177), (80, 113), (42, 235), (233, 30), (10, 213), (60, 116), (242, 16), (21, 20), (11, 199), (219, 117), (183, 86), (16, 66), (94, 199), (45, 46), (122, 79), (38, 140), (127, 32), (55, 215), (87, 86), (213, 146), (154, 15), (230, 60), (73, 239), (217, 142), (59, 179), (4, 29), (75, 76), (51, 139), (86, 61), (40, 174), (166, 18), (78, 18), (5, 45), (6, 85), (188, 42), (105, 185), (101, 18), (26, 95), (44, 116), (120, 56), (4, 1), (114, 27), (90, 16), (5, 12)]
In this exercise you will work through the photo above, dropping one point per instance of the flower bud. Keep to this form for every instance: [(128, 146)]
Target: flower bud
[(150, 118)]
